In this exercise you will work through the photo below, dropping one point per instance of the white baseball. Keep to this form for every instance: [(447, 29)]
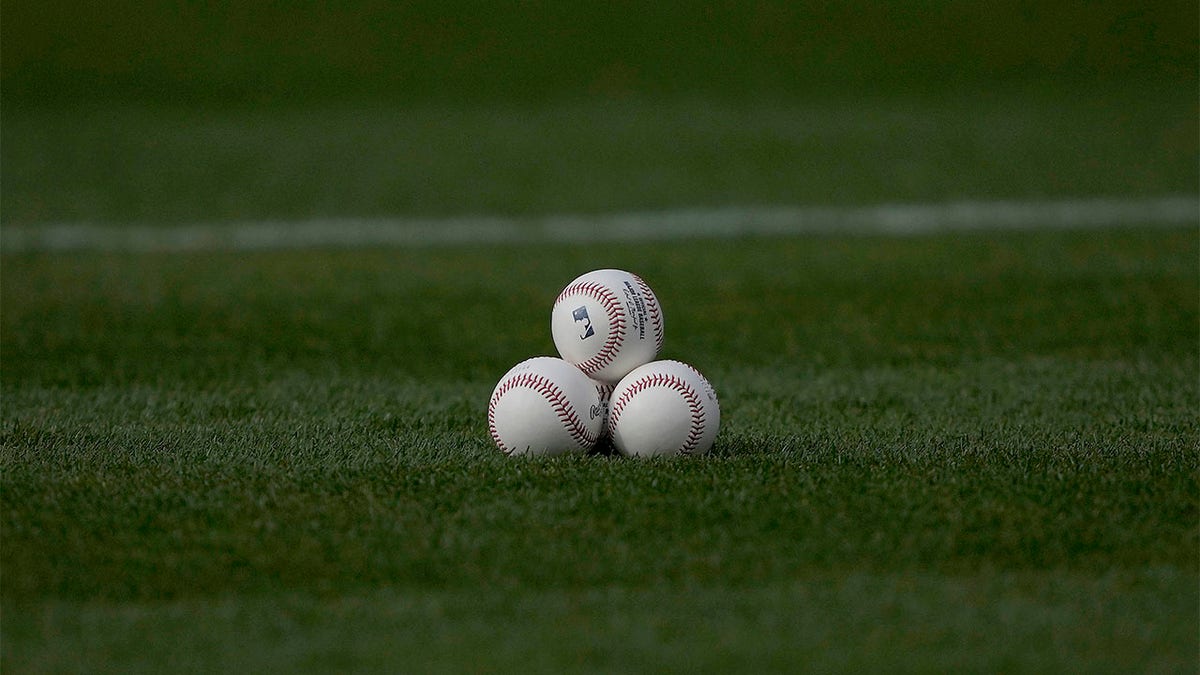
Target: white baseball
[(607, 322), (604, 391), (546, 406), (664, 408)]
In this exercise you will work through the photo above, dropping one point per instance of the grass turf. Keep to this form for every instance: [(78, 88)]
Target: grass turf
[(227, 51), (971, 450), (121, 163)]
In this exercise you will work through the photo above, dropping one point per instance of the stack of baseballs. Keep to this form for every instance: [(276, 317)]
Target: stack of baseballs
[(608, 328)]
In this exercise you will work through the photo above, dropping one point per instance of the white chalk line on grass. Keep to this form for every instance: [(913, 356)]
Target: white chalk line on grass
[(698, 223)]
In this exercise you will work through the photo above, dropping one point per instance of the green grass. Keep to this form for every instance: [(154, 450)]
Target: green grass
[(223, 50), (899, 622), (957, 451), (119, 162)]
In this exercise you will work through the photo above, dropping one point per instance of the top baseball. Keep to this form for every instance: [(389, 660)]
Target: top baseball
[(607, 322)]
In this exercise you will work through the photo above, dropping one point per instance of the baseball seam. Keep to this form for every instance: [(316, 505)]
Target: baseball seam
[(616, 322), (655, 312), (554, 396), (695, 406)]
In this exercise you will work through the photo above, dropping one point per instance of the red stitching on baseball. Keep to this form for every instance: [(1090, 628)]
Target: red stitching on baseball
[(554, 396), (616, 322), (670, 382), (492, 426), (654, 310)]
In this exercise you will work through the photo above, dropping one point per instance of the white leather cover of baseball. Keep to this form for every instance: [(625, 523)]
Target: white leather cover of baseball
[(607, 322), (664, 408), (545, 406)]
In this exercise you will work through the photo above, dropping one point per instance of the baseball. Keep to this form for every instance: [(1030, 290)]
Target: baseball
[(607, 322), (546, 406), (664, 408), (604, 391)]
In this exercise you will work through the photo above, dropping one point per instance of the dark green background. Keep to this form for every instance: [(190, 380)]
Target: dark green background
[(181, 112), (286, 52), (967, 450)]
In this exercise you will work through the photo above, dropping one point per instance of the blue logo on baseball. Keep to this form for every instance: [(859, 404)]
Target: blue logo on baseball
[(581, 316)]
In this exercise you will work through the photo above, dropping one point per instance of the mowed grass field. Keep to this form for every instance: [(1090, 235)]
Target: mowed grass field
[(960, 451), (121, 162)]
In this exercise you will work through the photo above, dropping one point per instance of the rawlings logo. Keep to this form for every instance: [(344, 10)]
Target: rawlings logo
[(581, 316)]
